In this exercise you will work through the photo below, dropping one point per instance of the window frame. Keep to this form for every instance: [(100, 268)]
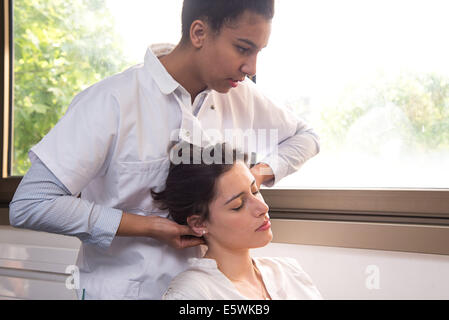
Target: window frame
[(386, 210), (403, 206), (8, 184)]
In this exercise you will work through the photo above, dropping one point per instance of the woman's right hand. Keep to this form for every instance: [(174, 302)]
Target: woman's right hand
[(162, 229), (176, 235)]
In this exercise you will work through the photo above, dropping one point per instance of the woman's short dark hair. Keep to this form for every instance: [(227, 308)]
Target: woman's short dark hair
[(218, 12), (190, 187)]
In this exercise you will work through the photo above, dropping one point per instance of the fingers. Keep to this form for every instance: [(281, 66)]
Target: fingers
[(182, 236), (187, 231), (191, 241)]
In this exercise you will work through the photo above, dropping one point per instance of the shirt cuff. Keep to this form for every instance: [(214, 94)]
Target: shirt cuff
[(279, 168), (105, 229)]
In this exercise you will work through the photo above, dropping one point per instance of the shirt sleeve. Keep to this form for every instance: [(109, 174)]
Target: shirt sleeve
[(43, 203), (296, 141), (80, 146)]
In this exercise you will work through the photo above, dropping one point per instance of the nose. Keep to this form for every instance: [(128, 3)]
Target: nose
[(250, 66), (260, 207)]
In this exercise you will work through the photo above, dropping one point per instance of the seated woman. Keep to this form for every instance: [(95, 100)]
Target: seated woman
[(221, 201)]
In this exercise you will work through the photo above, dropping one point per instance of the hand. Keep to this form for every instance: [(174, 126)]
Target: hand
[(162, 229), (175, 235), (262, 173)]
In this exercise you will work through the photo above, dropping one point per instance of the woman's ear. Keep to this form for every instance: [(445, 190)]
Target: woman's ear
[(198, 31), (197, 224)]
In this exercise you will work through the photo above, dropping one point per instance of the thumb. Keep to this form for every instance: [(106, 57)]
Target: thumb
[(188, 231), (187, 242)]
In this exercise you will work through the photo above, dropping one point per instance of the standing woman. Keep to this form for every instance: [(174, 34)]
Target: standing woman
[(113, 144)]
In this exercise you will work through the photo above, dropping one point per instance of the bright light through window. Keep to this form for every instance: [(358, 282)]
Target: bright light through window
[(372, 78), (144, 22)]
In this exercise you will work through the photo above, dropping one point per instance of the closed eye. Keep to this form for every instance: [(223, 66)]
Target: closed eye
[(243, 202), (241, 206), (242, 49)]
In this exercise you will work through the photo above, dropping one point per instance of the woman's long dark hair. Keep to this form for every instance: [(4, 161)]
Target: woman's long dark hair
[(190, 187)]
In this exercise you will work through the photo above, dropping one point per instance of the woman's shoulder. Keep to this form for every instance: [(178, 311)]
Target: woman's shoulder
[(279, 262), (188, 285), (289, 267), (288, 272), (193, 283)]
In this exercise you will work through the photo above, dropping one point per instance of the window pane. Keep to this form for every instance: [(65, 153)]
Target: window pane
[(372, 78), (62, 47)]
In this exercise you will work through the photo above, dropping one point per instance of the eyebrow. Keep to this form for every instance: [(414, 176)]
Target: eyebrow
[(238, 195)]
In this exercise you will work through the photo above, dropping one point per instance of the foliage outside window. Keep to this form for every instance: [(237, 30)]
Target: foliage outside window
[(60, 48)]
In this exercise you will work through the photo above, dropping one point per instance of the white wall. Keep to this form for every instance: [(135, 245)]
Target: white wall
[(343, 273), (33, 264)]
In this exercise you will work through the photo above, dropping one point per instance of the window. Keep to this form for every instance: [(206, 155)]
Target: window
[(372, 78), (375, 93)]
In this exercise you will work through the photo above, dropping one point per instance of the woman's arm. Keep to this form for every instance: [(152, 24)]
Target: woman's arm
[(297, 142), (162, 229), (43, 203)]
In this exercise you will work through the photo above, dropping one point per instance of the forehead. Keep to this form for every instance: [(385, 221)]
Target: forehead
[(249, 25), (236, 180)]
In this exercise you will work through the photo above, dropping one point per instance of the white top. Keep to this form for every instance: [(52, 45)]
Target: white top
[(113, 145), (284, 279)]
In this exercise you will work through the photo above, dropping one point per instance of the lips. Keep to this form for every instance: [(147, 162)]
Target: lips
[(235, 83), (265, 226)]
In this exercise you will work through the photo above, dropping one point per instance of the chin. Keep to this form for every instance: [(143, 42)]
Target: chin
[(219, 87), (265, 241), (222, 90)]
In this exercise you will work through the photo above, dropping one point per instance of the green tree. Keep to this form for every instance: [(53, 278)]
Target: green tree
[(424, 98), (60, 48)]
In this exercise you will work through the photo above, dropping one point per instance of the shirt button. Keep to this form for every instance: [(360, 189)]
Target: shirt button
[(187, 134), (212, 107)]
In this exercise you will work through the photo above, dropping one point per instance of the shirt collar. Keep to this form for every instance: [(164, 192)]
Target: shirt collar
[(163, 79), (203, 263)]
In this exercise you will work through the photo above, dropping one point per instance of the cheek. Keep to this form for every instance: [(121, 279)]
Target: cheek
[(239, 234), (224, 62), (230, 228), (229, 225)]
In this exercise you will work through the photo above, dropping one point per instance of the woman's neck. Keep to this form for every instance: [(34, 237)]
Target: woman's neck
[(238, 267), (180, 65), (235, 265)]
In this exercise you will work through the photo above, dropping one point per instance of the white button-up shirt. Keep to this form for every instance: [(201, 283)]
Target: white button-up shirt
[(283, 278), (112, 145)]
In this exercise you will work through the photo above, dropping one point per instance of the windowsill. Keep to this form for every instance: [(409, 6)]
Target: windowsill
[(359, 235)]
